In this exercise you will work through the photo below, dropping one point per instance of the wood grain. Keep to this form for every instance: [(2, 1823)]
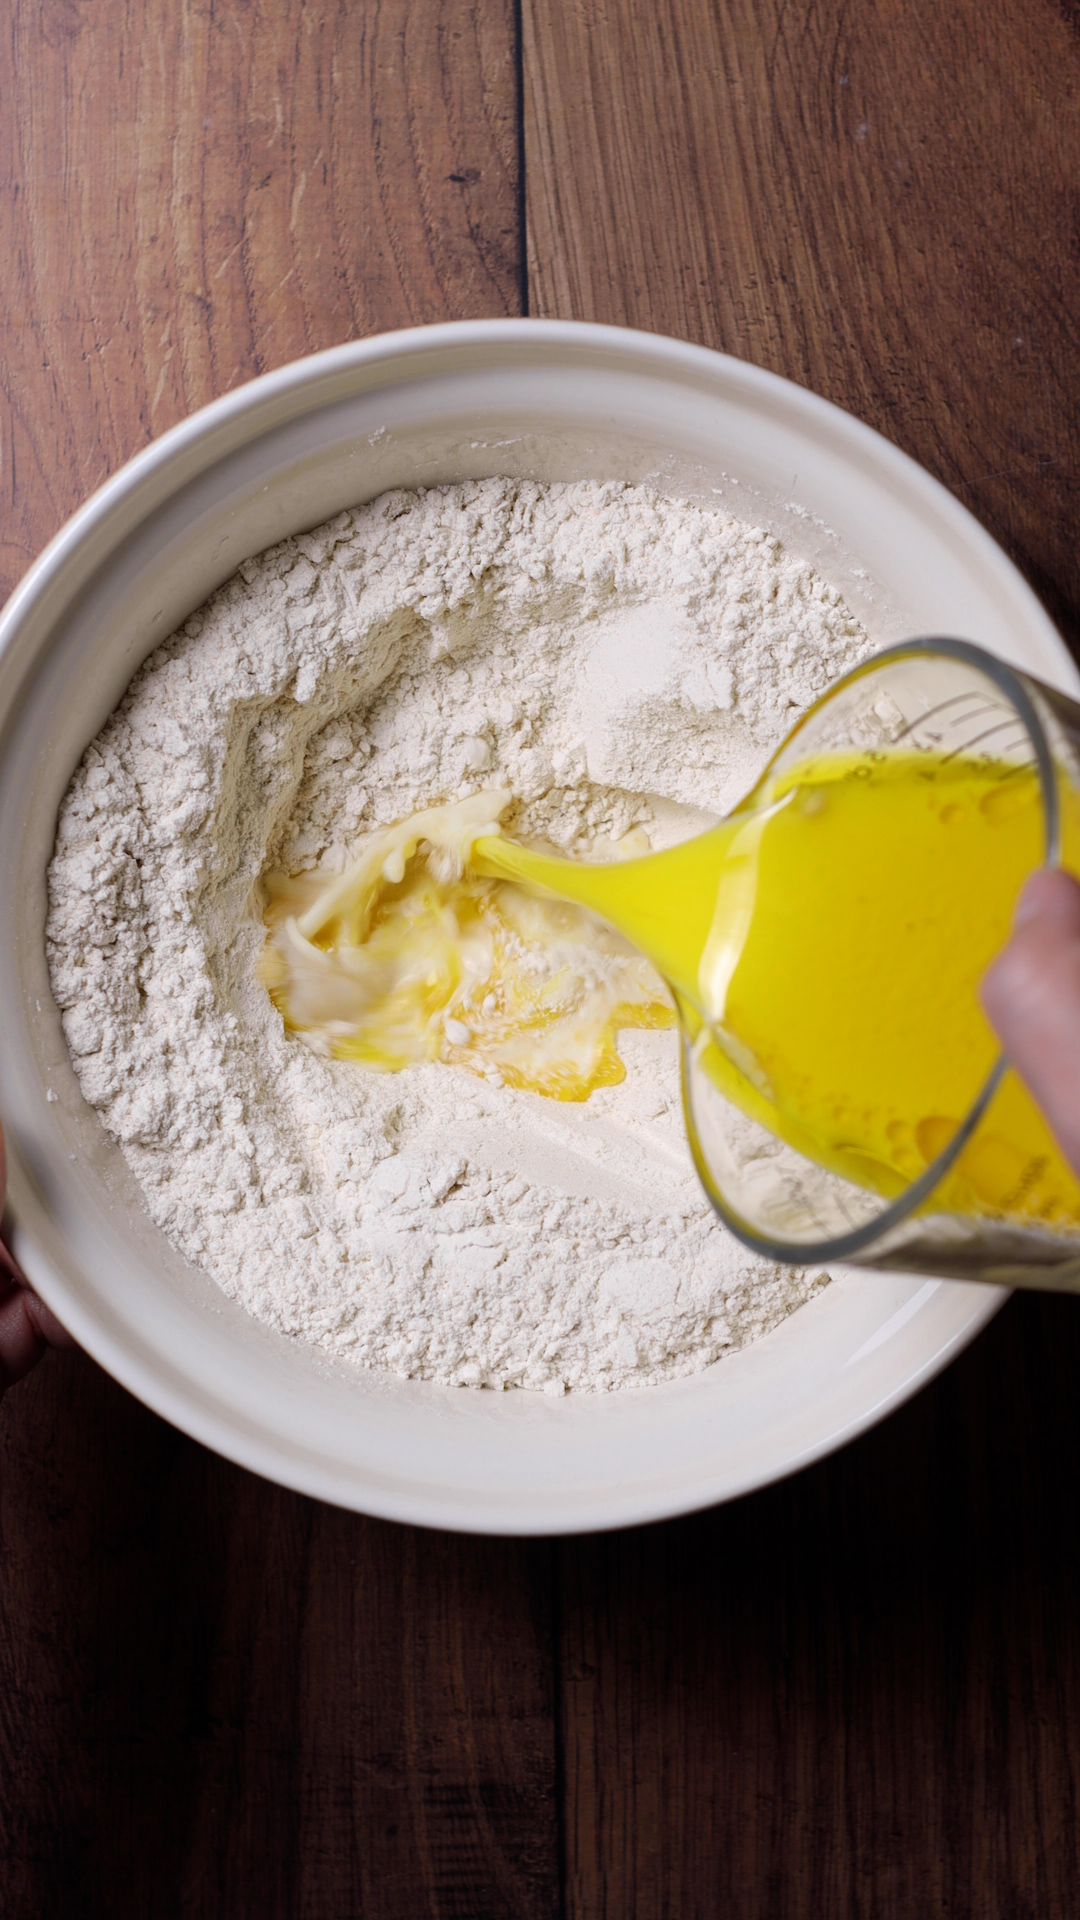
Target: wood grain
[(217, 1699), (877, 200), (221, 1699), (856, 1694), (196, 193)]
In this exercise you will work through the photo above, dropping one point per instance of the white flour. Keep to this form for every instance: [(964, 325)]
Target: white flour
[(611, 656)]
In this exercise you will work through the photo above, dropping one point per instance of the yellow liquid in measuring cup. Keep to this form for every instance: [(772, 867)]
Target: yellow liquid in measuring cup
[(845, 960), (834, 931)]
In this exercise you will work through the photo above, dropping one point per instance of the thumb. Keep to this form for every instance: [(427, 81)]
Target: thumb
[(1032, 997)]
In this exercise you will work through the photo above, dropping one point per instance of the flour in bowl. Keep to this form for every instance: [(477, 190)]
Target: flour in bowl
[(617, 660)]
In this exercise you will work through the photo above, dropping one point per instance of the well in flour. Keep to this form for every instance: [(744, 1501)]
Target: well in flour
[(616, 659)]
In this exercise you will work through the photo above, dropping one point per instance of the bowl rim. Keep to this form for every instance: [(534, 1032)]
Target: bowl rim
[(167, 458)]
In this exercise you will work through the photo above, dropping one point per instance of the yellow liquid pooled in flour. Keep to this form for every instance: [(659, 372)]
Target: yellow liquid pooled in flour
[(831, 934), (434, 963)]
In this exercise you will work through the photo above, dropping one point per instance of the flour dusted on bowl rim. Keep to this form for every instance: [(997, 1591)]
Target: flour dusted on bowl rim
[(617, 660)]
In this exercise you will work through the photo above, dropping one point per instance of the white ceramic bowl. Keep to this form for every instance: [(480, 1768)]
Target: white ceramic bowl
[(554, 402)]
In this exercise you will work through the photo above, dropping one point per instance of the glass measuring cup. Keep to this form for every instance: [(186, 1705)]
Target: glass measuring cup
[(945, 699)]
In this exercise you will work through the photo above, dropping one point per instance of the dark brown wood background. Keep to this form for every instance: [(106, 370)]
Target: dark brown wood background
[(857, 1694)]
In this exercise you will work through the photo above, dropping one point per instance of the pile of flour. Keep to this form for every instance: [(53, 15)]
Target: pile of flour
[(616, 659)]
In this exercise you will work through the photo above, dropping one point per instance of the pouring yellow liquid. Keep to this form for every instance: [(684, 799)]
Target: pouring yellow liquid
[(824, 944)]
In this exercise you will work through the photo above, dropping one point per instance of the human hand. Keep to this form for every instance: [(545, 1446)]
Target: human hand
[(1032, 996), (26, 1325)]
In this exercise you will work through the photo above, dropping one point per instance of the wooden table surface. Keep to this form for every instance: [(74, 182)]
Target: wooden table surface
[(855, 1694)]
